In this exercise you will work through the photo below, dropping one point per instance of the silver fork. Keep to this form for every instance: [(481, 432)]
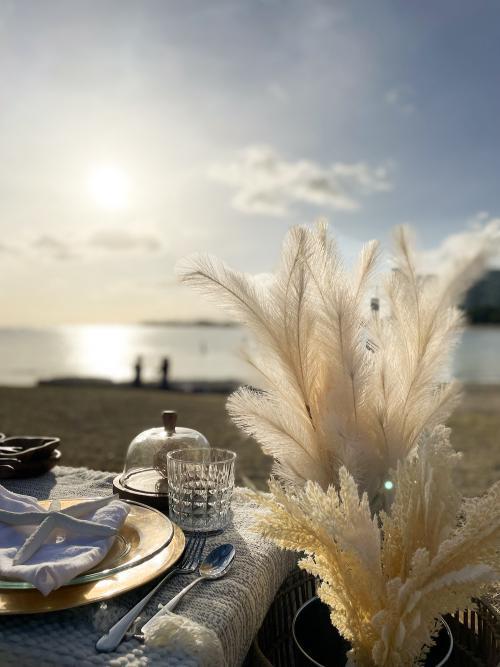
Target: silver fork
[(189, 563)]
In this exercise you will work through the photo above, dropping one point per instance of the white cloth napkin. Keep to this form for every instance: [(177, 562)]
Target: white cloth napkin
[(65, 555)]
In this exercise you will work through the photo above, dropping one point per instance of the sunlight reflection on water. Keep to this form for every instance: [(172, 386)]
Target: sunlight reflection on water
[(110, 351)]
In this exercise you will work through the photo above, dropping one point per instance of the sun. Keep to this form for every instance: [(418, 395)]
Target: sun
[(109, 186)]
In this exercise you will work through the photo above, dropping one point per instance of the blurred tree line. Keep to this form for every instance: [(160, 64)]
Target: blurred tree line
[(482, 302)]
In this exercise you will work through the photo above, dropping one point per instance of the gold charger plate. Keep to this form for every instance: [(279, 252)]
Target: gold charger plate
[(143, 530)]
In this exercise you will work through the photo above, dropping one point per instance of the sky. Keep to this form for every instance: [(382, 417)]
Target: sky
[(134, 133)]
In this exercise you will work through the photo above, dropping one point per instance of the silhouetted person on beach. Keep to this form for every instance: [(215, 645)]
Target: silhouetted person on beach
[(164, 384), (138, 372)]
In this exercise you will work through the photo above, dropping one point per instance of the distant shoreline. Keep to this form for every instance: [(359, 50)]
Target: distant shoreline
[(482, 325), (188, 386), (146, 323), (193, 323), (194, 386), (177, 324)]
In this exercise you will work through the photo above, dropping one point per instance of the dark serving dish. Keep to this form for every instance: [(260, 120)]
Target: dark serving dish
[(27, 447), (14, 467)]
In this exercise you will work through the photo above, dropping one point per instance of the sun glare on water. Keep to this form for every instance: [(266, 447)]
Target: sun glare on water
[(109, 187)]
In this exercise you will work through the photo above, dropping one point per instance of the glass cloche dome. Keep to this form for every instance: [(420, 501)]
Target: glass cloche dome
[(144, 476)]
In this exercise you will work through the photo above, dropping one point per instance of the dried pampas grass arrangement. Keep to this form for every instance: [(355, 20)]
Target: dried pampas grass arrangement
[(387, 577), (350, 405)]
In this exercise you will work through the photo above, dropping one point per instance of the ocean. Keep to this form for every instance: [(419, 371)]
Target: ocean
[(194, 352)]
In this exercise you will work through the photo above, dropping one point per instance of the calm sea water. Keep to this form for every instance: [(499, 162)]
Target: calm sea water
[(202, 353)]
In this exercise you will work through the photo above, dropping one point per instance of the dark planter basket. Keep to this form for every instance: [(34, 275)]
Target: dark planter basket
[(476, 634), (312, 621)]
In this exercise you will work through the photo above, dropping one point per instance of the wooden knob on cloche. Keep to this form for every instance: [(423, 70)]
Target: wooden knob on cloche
[(169, 420)]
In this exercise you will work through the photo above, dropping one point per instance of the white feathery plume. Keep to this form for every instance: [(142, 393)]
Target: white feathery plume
[(345, 362), (280, 315), (312, 357), (413, 344), (325, 399)]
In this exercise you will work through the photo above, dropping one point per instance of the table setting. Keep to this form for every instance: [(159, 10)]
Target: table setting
[(215, 623), (83, 571), (363, 553)]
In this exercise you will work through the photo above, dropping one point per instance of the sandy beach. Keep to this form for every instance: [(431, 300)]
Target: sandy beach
[(96, 425)]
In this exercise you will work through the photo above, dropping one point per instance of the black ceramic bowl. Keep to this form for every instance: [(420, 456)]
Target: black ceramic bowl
[(14, 468), (28, 447), (319, 644)]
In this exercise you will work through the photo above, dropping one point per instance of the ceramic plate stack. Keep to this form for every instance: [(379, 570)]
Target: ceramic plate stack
[(147, 545), (27, 456)]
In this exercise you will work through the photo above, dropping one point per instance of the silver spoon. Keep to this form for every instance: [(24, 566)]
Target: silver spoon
[(215, 566)]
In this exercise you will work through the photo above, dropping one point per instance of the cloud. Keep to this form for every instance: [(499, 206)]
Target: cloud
[(401, 98), (480, 237), (478, 219), (53, 247), (277, 92), (8, 249), (267, 184), (116, 240)]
